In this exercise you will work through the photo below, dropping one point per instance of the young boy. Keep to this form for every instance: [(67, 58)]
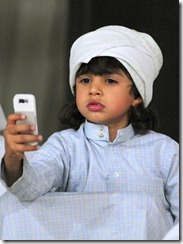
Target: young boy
[(111, 146)]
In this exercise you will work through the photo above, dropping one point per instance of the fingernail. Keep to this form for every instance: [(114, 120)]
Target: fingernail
[(23, 116), (40, 138), (32, 127)]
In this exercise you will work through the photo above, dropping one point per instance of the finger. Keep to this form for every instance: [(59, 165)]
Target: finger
[(20, 128), (20, 143), (19, 149), (28, 148), (27, 138), (12, 118)]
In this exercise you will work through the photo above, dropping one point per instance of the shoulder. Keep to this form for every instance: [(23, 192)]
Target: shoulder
[(157, 140), (167, 140), (160, 149), (63, 143), (67, 136)]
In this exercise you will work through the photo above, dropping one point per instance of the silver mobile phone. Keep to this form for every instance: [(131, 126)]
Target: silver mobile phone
[(26, 104)]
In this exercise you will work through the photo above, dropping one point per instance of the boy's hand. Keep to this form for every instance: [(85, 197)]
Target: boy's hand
[(16, 142)]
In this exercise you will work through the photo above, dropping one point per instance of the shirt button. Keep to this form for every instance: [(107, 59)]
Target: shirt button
[(116, 174), (101, 135), (101, 128)]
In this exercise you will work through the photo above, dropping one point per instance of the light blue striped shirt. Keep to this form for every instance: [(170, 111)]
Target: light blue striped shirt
[(86, 161)]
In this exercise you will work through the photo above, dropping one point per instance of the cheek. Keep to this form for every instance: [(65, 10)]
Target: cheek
[(121, 103), (80, 101), (78, 95), (80, 91)]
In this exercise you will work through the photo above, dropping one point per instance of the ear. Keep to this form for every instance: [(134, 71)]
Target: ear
[(137, 101)]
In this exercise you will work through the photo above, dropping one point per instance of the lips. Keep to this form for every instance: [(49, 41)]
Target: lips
[(95, 106)]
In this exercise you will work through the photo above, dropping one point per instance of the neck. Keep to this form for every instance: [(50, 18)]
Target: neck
[(113, 130), (112, 135)]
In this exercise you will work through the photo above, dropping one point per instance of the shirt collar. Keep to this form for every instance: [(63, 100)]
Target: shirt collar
[(100, 134)]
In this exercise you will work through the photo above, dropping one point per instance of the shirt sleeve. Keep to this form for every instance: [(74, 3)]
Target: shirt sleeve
[(46, 171), (172, 179)]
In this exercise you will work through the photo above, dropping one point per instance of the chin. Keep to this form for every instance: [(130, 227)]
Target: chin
[(97, 121)]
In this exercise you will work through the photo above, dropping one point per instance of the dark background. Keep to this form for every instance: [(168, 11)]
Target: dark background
[(159, 18)]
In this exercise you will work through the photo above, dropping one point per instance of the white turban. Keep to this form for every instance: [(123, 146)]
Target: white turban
[(2, 119), (137, 51)]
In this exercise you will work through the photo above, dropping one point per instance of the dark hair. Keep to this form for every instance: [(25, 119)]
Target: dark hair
[(141, 118)]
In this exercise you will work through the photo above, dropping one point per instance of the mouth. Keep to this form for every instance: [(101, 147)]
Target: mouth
[(95, 106)]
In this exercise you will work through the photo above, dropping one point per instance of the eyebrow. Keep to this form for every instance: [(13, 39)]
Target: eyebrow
[(111, 72)]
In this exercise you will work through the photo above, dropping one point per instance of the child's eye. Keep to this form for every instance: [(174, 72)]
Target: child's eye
[(85, 81), (111, 81)]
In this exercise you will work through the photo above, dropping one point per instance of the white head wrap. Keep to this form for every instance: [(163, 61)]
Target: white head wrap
[(2, 119), (137, 51)]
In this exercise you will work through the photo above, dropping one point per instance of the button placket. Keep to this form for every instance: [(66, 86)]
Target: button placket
[(101, 135), (116, 174)]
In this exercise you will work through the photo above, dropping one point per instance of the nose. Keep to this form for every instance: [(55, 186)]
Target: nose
[(95, 88)]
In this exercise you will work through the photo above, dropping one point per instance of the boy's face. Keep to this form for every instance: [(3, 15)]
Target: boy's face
[(105, 99)]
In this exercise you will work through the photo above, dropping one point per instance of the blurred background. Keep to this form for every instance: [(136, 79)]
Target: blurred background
[(35, 41)]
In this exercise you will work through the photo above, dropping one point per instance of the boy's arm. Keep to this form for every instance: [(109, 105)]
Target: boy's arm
[(172, 183), (46, 170), (16, 145), (26, 186), (11, 175)]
